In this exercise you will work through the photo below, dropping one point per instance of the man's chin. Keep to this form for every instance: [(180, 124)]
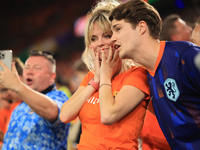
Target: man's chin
[(30, 86), (122, 56)]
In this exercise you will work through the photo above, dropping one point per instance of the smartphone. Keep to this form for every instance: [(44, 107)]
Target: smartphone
[(6, 58)]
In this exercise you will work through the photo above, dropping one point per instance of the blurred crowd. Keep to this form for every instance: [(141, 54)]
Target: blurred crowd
[(43, 87)]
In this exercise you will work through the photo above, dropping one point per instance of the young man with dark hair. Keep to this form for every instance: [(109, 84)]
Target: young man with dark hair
[(173, 29), (173, 77)]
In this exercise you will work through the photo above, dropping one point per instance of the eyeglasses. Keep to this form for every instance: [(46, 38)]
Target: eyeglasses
[(46, 54)]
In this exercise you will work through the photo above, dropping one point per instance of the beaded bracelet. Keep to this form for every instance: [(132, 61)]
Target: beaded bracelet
[(105, 84)]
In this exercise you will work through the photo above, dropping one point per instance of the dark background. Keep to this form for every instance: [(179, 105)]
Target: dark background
[(49, 25)]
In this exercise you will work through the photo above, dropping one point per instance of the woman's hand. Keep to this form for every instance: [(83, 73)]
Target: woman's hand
[(110, 65), (95, 59)]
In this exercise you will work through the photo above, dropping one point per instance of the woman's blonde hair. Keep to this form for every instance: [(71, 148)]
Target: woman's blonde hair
[(100, 14)]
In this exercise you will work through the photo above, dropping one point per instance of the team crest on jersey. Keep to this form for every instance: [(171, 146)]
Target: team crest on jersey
[(171, 89)]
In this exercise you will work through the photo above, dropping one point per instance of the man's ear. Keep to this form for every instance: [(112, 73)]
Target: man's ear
[(142, 27), (21, 78), (174, 37), (53, 77)]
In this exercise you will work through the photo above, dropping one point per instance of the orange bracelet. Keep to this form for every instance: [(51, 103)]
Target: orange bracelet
[(94, 84)]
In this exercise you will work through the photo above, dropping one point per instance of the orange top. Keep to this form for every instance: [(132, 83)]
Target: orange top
[(4, 113), (124, 133), (13, 106), (5, 117), (152, 136)]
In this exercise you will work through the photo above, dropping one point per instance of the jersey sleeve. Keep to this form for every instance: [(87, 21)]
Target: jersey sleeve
[(138, 79), (87, 78)]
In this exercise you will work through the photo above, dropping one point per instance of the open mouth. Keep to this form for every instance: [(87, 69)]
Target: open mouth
[(10, 101), (117, 46), (29, 81)]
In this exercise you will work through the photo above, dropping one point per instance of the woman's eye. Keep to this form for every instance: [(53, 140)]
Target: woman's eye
[(93, 39)]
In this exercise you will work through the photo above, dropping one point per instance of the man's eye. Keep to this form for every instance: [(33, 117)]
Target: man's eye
[(118, 28), (109, 36)]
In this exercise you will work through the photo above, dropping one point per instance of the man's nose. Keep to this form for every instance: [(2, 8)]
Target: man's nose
[(113, 39), (189, 28), (5, 95), (29, 71)]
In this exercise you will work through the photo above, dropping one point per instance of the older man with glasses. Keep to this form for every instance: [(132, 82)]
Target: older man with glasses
[(35, 123)]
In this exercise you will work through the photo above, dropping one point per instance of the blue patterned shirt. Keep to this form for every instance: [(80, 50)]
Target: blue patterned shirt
[(29, 131)]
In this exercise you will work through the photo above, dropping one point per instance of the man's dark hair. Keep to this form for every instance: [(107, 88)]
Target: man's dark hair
[(79, 65), (134, 11), (19, 65), (168, 27)]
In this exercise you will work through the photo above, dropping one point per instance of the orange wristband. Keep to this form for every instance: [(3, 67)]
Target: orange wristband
[(94, 84)]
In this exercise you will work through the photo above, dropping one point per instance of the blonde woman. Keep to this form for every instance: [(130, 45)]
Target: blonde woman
[(112, 99)]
